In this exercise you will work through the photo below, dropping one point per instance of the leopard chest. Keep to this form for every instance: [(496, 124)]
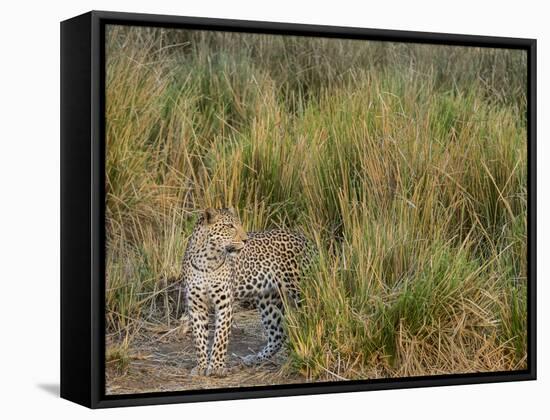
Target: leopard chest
[(207, 280)]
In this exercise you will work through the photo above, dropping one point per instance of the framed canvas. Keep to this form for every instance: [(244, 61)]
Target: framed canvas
[(254, 209)]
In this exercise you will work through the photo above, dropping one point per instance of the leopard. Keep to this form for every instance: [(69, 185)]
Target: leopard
[(224, 264)]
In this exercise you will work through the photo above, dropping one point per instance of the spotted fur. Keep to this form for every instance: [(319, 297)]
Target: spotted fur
[(223, 263)]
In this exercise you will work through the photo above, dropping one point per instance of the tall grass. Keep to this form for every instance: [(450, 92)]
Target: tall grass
[(406, 164)]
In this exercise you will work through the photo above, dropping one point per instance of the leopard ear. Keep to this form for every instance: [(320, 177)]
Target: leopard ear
[(210, 215), (232, 211)]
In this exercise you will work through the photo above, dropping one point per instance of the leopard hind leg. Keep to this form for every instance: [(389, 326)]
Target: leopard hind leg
[(271, 310)]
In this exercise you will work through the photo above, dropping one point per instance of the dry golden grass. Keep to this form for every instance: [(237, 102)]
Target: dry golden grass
[(406, 164)]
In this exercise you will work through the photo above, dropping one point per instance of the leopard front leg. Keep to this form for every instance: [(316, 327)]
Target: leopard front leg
[(271, 311), (223, 306), (198, 311)]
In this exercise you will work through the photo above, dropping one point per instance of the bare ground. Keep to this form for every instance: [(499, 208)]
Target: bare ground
[(160, 359)]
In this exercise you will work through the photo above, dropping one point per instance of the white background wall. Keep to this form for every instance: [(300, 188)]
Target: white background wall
[(29, 207)]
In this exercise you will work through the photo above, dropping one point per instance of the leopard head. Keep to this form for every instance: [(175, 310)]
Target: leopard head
[(224, 231)]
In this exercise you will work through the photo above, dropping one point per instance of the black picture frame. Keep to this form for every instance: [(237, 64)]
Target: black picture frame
[(82, 208)]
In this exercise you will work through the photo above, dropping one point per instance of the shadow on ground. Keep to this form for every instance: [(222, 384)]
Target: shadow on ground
[(52, 389), (161, 360)]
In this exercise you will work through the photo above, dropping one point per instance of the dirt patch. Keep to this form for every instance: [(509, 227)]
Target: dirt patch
[(160, 359)]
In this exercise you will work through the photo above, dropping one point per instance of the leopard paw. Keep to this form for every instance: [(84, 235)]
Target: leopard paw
[(219, 372), (198, 371)]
